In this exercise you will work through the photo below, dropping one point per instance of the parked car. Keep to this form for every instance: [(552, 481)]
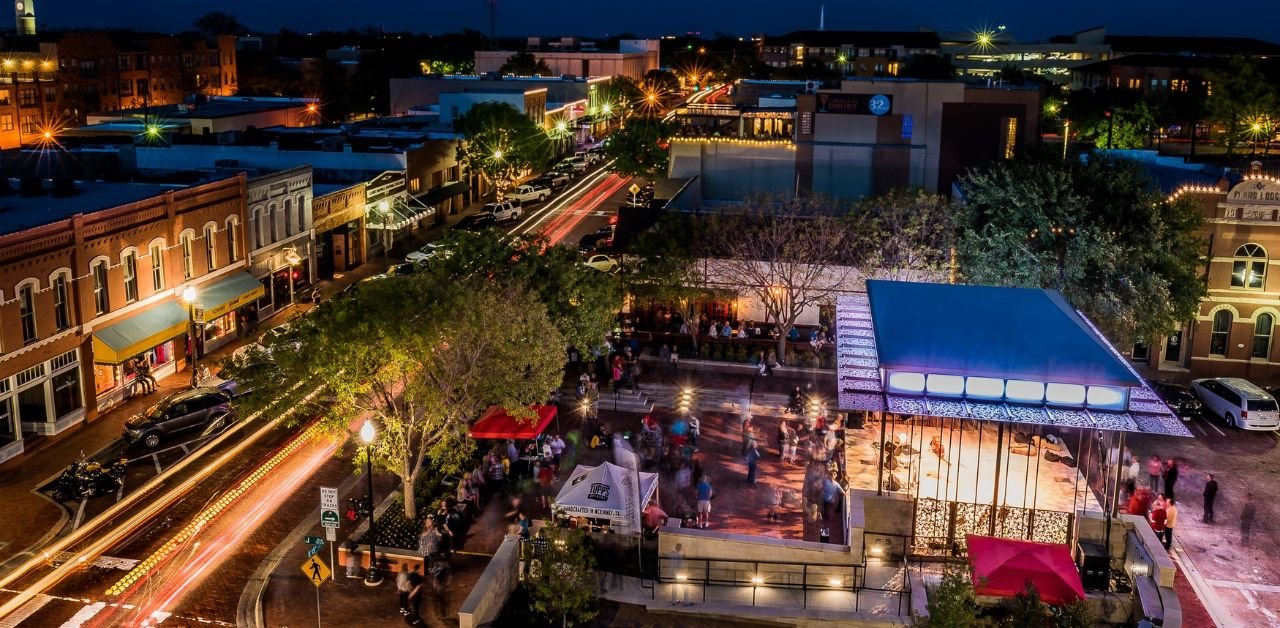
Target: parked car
[(476, 222), (199, 408), (429, 252), (1239, 402), (530, 193), (577, 164), (395, 270), (553, 180), (1180, 398), (503, 211), (247, 369), (602, 263), (600, 239), (590, 156)]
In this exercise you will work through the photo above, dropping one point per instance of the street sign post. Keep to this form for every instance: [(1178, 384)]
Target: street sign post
[(315, 548), (329, 507), (313, 540), (317, 572)]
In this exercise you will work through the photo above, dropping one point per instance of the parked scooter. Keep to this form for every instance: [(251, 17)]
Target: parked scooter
[(89, 478)]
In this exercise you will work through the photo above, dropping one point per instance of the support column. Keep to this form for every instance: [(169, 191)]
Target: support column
[(995, 489)]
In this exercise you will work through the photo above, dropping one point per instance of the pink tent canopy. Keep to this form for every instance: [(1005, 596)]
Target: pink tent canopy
[(1003, 567), (496, 423)]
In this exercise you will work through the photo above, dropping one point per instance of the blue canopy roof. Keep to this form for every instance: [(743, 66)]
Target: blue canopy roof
[(1007, 333)]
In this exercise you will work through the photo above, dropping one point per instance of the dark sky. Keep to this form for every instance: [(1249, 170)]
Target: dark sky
[(1026, 19)]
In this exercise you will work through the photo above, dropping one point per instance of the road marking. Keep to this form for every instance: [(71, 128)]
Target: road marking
[(1199, 429), (1245, 586), (185, 451), (159, 469), (1215, 428), (84, 614), (80, 513), (37, 602)]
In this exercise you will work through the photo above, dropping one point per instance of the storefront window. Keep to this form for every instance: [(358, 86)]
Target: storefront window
[(66, 392), (281, 287), (264, 301), (224, 326), (31, 405), (8, 423), (106, 377), (161, 354)]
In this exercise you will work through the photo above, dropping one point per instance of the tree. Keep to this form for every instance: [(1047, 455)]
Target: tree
[(524, 64), (952, 603), (219, 23), (638, 149), (422, 357), (905, 235), (791, 254), (1241, 95), (1099, 232), (500, 142), (562, 581), (620, 95), (672, 272), (1127, 128)]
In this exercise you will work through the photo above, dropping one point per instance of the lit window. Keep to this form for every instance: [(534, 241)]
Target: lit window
[(1065, 394), (906, 382), (157, 267), (984, 387), (101, 301), (27, 312), (188, 259), (1262, 335), (1024, 391), (211, 246), (61, 302), (1221, 333), (1249, 270), (130, 263), (948, 385)]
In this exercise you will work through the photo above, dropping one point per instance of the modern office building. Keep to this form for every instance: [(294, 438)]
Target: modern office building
[(569, 55), (851, 53)]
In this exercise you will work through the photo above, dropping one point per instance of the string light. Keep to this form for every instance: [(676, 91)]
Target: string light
[(735, 140)]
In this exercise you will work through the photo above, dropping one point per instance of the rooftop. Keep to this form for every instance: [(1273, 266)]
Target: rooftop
[(18, 212), (217, 107), (861, 39), (1225, 46)]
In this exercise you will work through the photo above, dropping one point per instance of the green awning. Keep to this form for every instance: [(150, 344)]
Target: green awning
[(228, 294), (402, 215), (444, 192), (120, 341)]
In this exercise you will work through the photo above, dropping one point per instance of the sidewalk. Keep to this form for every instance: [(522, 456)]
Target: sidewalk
[(42, 519)]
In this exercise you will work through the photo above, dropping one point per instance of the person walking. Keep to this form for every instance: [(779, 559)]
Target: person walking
[(752, 456), (1154, 471), (413, 601), (403, 587), (1248, 513), (1158, 517), (695, 430), (1170, 520), (1170, 478), (678, 570), (784, 435), (704, 494), (1210, 494)]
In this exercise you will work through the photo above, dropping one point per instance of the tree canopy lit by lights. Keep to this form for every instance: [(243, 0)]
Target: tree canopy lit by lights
[(500, 142)]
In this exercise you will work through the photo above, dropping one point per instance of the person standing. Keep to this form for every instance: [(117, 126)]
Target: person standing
[(1154, 471), (1158, 517), (752, 456), (704, 494), (402, 587), (678, 570), (1247, 514), (784, 435), (1170, 478), (1210, 494), (1170, 520), (557, 451), (695, 430)]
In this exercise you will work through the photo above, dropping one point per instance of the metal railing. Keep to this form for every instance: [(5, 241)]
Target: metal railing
[(805, 577)]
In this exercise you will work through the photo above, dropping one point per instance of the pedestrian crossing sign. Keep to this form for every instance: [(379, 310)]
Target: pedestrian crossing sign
[(315, 570)]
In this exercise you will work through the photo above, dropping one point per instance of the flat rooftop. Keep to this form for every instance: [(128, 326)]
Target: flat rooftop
[(18, 212), (225, 107)]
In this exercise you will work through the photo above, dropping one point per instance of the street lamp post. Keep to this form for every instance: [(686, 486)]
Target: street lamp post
[(189, 297), (292, 258), (372, 577), (388, 238)]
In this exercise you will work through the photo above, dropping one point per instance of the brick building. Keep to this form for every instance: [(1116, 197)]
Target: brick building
[(28, 98), (90, 278)]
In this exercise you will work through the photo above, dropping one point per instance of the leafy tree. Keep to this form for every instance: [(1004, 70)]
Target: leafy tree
[(580, 301), (791, 254), (524, 64), (562, 581), (672, 272), (1077, 614), (621, 94), (952, 603), (1100, 232), (1242, 93), (638, 148), (219, 23), (904, 235), (1028, 609), (923, 66), (500, 142), (422, 356), (1128, 128)]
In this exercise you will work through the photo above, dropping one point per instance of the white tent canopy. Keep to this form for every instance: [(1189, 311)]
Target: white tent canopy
[(607, 491)]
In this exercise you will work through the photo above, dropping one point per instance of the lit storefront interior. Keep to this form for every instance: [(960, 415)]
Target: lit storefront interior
[(146, 335), (223, 302), (994, 409)]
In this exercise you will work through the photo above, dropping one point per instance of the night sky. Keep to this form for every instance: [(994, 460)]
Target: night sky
[(1026, 19)]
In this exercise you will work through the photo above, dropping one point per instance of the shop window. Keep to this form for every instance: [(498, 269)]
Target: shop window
[(1262, 335), (27, 312), (188, 258), (61, 303), (100, 297), (1249, 269), (8, 423), (66, 392), (32, 406), (1221, 334), (157, 266), (211, 246), (130, 263)]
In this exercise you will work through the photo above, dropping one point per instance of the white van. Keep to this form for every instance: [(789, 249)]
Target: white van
[(1239, 402)]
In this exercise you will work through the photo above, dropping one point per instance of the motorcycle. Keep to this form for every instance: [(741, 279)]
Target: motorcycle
[(89, 478)]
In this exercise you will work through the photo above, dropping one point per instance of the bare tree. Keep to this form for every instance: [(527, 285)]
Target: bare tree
[(905, 235), (792, 255)]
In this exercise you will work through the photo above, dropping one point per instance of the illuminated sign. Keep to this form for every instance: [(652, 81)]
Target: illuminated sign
[(855, 104)]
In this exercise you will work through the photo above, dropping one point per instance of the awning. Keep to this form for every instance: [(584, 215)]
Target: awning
[(402, 214), (120, 341), (1003, 567), (496, 423), (228, 294), (607, 491)]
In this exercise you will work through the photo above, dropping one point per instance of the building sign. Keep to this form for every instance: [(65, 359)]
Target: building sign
[(855, 104), (1255, 191), (1253, 199), (908, 124), (389, 184), (806, 123)]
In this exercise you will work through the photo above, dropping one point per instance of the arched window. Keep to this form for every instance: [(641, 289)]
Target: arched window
[(27, 310), (211, 246), (302, 212), (1262, 335), (1249, 270), (233, 240), (288, 217), (1221, 335), (156, 253), (188, 255)]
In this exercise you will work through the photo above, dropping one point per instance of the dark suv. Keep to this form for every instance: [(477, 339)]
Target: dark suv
[(180, 412)]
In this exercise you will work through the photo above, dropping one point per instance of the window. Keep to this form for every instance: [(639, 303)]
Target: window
[(275, 226), (100, 301), (6, 122), (1249, 270), (233, 246), (263, 223), (1221, 334), (27, 312), (288, 217), (31, 124), (211, 246), (1262, 335), (61, 304), (130, 263), (415, 185), (188, 260), (27, 97), (302, 213), (126, 87), (5, 96), (157, 266)]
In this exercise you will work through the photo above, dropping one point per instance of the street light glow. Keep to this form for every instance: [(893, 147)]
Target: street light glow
[(367, 432), (153, 130), (497, 154), (189, 295)]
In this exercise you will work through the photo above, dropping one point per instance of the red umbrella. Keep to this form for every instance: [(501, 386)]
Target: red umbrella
[(1003, 567), (496, 423)]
